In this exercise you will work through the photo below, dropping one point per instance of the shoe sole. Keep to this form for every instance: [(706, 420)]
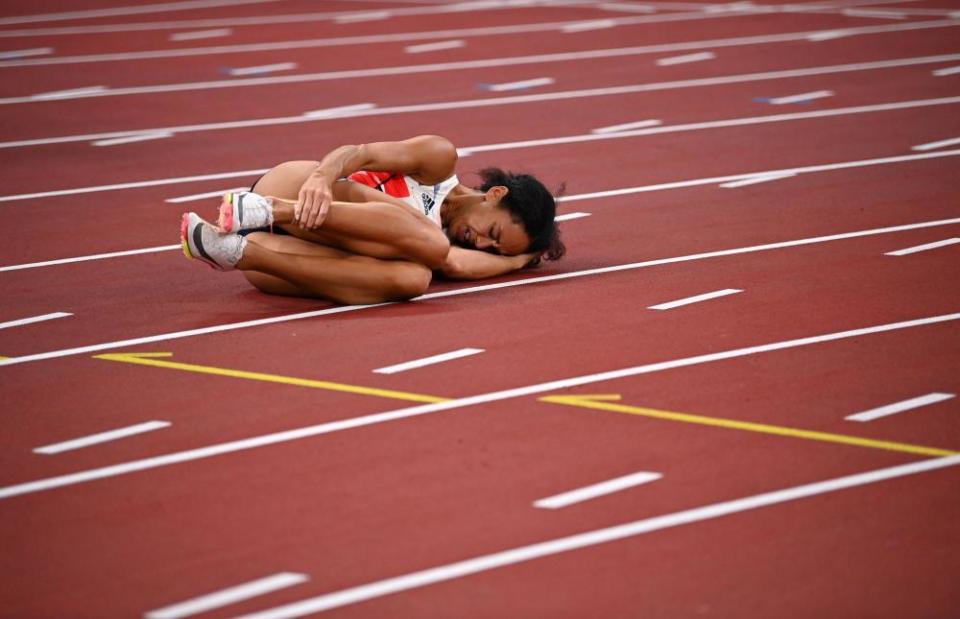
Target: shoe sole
[(185, 243)]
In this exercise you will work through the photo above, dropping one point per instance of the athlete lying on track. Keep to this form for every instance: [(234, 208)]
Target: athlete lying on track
[(371, 223)]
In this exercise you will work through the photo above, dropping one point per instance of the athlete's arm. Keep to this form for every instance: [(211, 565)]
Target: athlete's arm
[(464, 263), (428, 158)]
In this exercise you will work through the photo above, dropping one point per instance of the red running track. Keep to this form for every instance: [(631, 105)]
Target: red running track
[(159, 519)]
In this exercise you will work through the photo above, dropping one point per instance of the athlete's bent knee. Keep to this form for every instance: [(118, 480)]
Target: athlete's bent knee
[(433, 248), (409, 281)]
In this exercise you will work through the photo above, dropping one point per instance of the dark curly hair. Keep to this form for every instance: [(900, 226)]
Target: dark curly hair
[(531, 204)]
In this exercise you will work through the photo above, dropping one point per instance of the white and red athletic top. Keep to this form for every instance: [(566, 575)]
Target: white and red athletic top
[(425, 199)]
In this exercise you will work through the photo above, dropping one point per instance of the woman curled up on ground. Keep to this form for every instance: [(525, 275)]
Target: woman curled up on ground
[(373, 222)]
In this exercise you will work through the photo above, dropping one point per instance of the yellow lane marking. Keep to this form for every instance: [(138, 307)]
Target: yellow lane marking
[(153, 359), (604, 402)]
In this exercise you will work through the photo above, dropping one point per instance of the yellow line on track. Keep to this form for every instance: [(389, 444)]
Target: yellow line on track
[(603, 402), (153, 359)]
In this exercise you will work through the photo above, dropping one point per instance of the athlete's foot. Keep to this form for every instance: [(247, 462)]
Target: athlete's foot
[(244, 210), (202, 241)]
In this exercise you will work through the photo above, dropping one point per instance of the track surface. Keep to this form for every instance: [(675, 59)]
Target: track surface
[(156, 519)]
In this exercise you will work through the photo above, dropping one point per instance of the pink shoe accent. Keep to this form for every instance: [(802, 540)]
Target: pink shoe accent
[(184, 227), (225, 219)]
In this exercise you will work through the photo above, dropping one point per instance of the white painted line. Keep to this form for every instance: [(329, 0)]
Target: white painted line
[(141, 137), (572, 198), (539, 98), (228, 596), (695, 299), (70, 94), (807, 96), (569, 216), (532, 83), (424, 409), (24, 53), (266, 68), (584, 26), (640, 124), (756, 179), (870, 13), (593, 491), (919, 248), (201, 34), (102, 437), (164, 7), (899, 407), (361, 17), (947, 71), (828, 35), (202, 196), (333, 112), (433, 47), (33, 319), (115, 254), (521, 554), (940, 144), (664, 62), (419, 363)]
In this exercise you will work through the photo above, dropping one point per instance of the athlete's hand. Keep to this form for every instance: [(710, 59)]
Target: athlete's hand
[(313, 203), (531, 259)]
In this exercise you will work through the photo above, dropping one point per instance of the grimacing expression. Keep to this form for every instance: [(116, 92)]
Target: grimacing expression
[(490, 227)]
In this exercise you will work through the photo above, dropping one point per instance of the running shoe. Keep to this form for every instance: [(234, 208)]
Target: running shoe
[(202, 241), (245, 210)]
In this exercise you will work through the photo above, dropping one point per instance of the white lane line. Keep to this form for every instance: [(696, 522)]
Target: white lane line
[(86, 91), (919, 248), (536, 98), (487, 63), (33, 319), (261, 20), (664, 62), (433, 47), (264, 68), (521, 85), (140, 137), (202, 196), (764, 173), (801, 98), (419, 363), (164, 7), (596, 490), (947, 71), (585, 26), (828, 35), (353, 18), (424, 409), (899, 407), (113, 254), (468, 290), (201, 34), (24, 53), (630, 8), (521, 554), (888, 14), (571, 198), (101, 437), (343, 110), (228, 596), (695, 299), (640, 124), (940, 144), (569, 216), (765, 178)]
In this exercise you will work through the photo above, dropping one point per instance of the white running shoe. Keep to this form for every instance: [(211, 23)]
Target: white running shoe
[(202, 241), (245, 210)]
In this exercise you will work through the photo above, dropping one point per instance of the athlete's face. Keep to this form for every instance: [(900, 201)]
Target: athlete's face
[(489, 227)]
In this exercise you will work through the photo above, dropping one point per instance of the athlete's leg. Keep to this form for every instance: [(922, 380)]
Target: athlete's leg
[(286, 265), (381, 227)]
